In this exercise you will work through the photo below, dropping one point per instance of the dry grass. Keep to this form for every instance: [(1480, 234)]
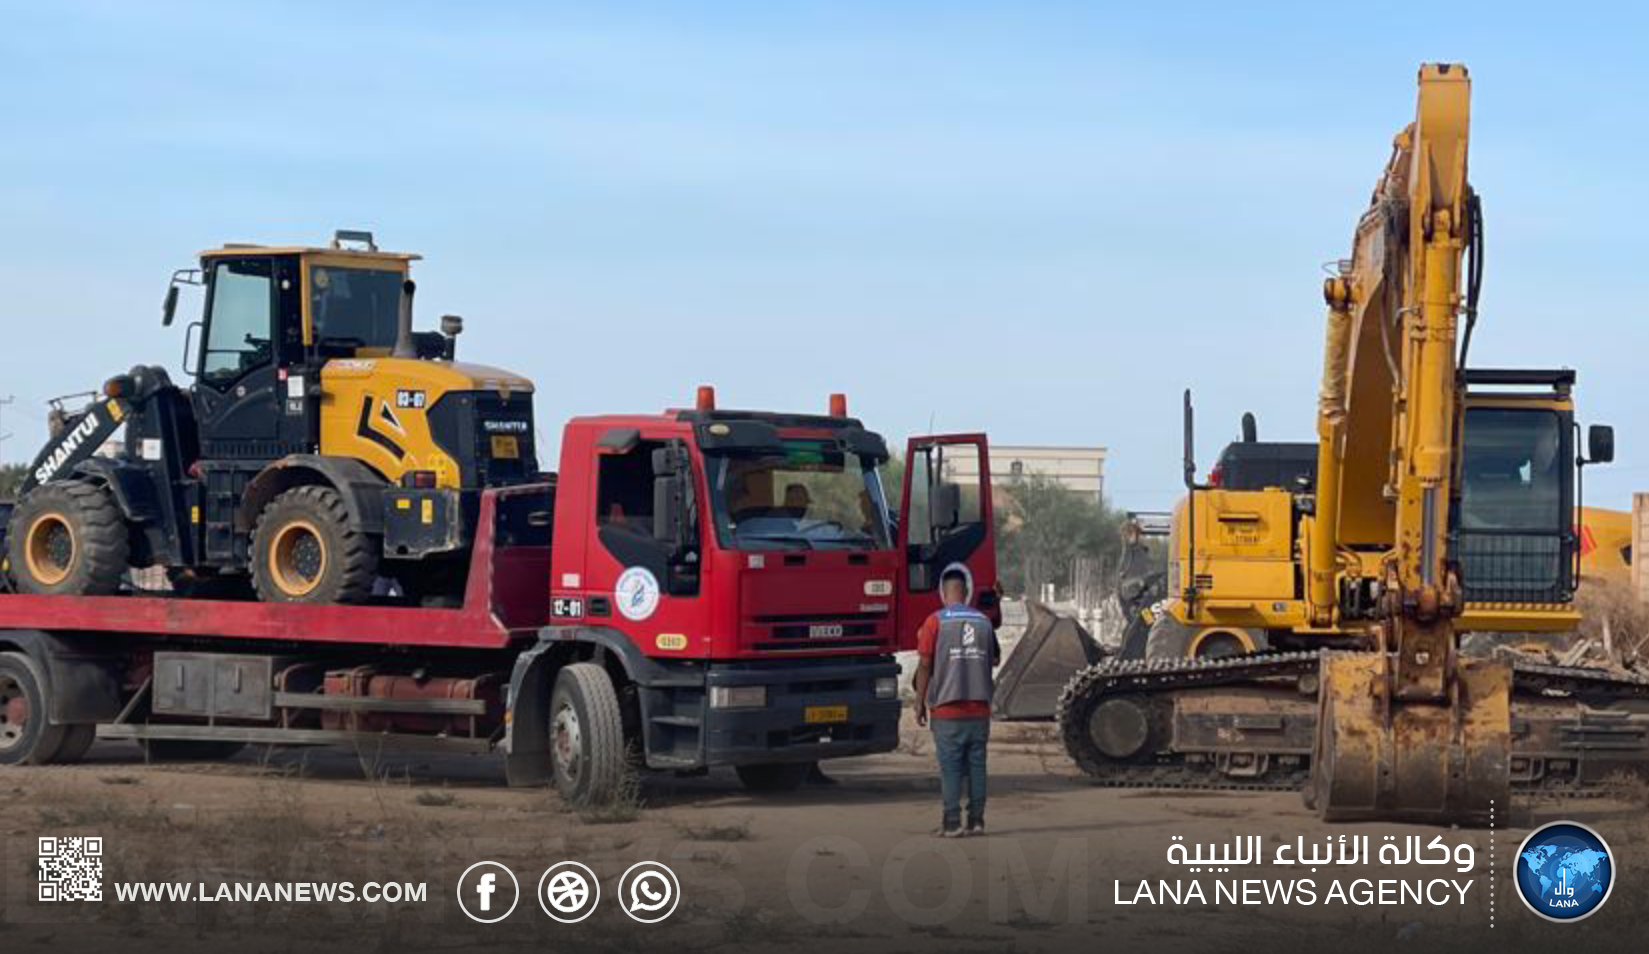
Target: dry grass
[(1609, 607), (729, 831)]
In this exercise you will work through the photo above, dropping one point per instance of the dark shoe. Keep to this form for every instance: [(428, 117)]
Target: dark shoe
[(949, 829), (976, 827)]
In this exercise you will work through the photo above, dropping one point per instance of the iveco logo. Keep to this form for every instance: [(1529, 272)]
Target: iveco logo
[(825, 631)]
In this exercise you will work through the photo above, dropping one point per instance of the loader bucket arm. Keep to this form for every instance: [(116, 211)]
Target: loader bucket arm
[(88, 429)]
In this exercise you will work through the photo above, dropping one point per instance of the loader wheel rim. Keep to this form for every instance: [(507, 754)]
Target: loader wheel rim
[(298, 558), (567, 736), (50, 549), (14, 713)]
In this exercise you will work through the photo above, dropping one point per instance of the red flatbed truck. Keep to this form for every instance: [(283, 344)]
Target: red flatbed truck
[(692, 589)]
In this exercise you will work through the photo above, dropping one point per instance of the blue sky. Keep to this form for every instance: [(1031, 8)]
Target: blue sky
[(1038, 220)]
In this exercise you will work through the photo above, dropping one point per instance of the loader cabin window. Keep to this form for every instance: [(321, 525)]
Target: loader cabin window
[(1514, 499), (354, 308), (238, 335), (803, 495)]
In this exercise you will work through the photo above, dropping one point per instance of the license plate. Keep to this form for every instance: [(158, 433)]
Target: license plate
[(506, 447), (817, 714)]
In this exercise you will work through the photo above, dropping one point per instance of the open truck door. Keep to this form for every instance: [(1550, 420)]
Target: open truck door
[(946, 522)]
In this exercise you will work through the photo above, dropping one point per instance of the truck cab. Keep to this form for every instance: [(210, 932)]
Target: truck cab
[(742, 581)]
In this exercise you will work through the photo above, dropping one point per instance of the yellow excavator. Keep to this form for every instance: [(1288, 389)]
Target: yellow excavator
[(1312, 635)]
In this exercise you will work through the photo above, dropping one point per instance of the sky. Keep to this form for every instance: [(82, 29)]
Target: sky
[(1038, 220)]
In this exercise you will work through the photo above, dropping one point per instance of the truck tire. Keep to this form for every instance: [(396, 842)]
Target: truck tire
[(587, 747), (67, 538), (26, 738), (771, 779), (77, 740), (306, 550), (189, 750)]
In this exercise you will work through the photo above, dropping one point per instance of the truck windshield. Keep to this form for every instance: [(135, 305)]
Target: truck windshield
[(807, 495), (355, 307), (1512, 471)]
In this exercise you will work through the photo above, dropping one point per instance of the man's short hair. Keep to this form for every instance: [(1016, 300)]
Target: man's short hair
[(954, 576)]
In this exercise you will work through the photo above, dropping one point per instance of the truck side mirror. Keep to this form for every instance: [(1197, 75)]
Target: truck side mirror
[(168, 309), (672, 522), (946, 511), (1600, 444)]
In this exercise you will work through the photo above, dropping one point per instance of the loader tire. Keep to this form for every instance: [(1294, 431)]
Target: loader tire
[(26, 736), (67, 538), (587, 746), (305, 549)]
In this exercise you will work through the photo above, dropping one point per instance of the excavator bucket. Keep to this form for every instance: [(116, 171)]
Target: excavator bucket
[(1053, 649), (1435, 764)]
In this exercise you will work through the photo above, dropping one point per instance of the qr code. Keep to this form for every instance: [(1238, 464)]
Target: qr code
[(71, 869)]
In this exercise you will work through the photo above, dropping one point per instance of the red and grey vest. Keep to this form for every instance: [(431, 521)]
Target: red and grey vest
[(963, 654)]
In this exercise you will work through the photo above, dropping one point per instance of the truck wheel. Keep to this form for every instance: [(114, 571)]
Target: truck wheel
[(586, 736), (67, 538), (306, 550), (77, 739), (188, 750), (25, 736), (786, 777)]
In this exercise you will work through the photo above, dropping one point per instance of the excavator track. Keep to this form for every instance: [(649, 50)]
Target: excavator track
[(1247, 723)]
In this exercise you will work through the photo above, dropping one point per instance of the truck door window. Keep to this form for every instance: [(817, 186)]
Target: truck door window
[(946, 510), (625, 485), (238, 335), (624, 492)]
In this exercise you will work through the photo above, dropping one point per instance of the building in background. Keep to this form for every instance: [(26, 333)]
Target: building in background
[(1081, 469)]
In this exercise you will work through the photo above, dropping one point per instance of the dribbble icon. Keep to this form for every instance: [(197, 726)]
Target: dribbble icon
[(649, 892)]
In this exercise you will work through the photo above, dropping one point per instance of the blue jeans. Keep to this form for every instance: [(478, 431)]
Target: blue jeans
[(960, 745)]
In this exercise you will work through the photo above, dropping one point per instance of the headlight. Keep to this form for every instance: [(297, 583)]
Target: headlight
[(887, 687), (738, 697)]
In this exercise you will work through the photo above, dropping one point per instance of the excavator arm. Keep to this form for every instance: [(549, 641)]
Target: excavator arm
[(1389, 411)]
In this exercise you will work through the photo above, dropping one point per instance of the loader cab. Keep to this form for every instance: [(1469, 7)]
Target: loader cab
[(272, 316), (717, 534), (1514, 533)]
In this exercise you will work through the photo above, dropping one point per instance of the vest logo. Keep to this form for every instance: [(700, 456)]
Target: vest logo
[(71, 443), (970, 636)]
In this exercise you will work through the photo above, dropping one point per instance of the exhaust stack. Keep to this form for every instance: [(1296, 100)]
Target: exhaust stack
[(404, 347)]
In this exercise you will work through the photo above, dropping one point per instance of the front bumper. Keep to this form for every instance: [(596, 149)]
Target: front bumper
[(685, 732)]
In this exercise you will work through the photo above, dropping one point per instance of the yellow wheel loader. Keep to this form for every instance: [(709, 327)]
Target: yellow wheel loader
[(325, 453)]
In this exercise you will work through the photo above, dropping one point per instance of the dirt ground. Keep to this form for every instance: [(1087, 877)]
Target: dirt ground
[(845, 867)]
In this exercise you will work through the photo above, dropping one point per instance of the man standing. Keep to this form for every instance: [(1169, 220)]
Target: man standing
[(958, 650)]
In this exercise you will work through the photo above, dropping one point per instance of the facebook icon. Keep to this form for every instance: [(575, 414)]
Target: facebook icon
[(480, 892)]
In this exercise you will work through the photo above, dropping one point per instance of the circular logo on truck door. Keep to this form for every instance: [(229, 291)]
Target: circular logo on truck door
[(636, 593)]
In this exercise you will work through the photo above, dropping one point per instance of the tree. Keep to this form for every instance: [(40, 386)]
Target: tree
[(1042, 527), (11, 478)]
